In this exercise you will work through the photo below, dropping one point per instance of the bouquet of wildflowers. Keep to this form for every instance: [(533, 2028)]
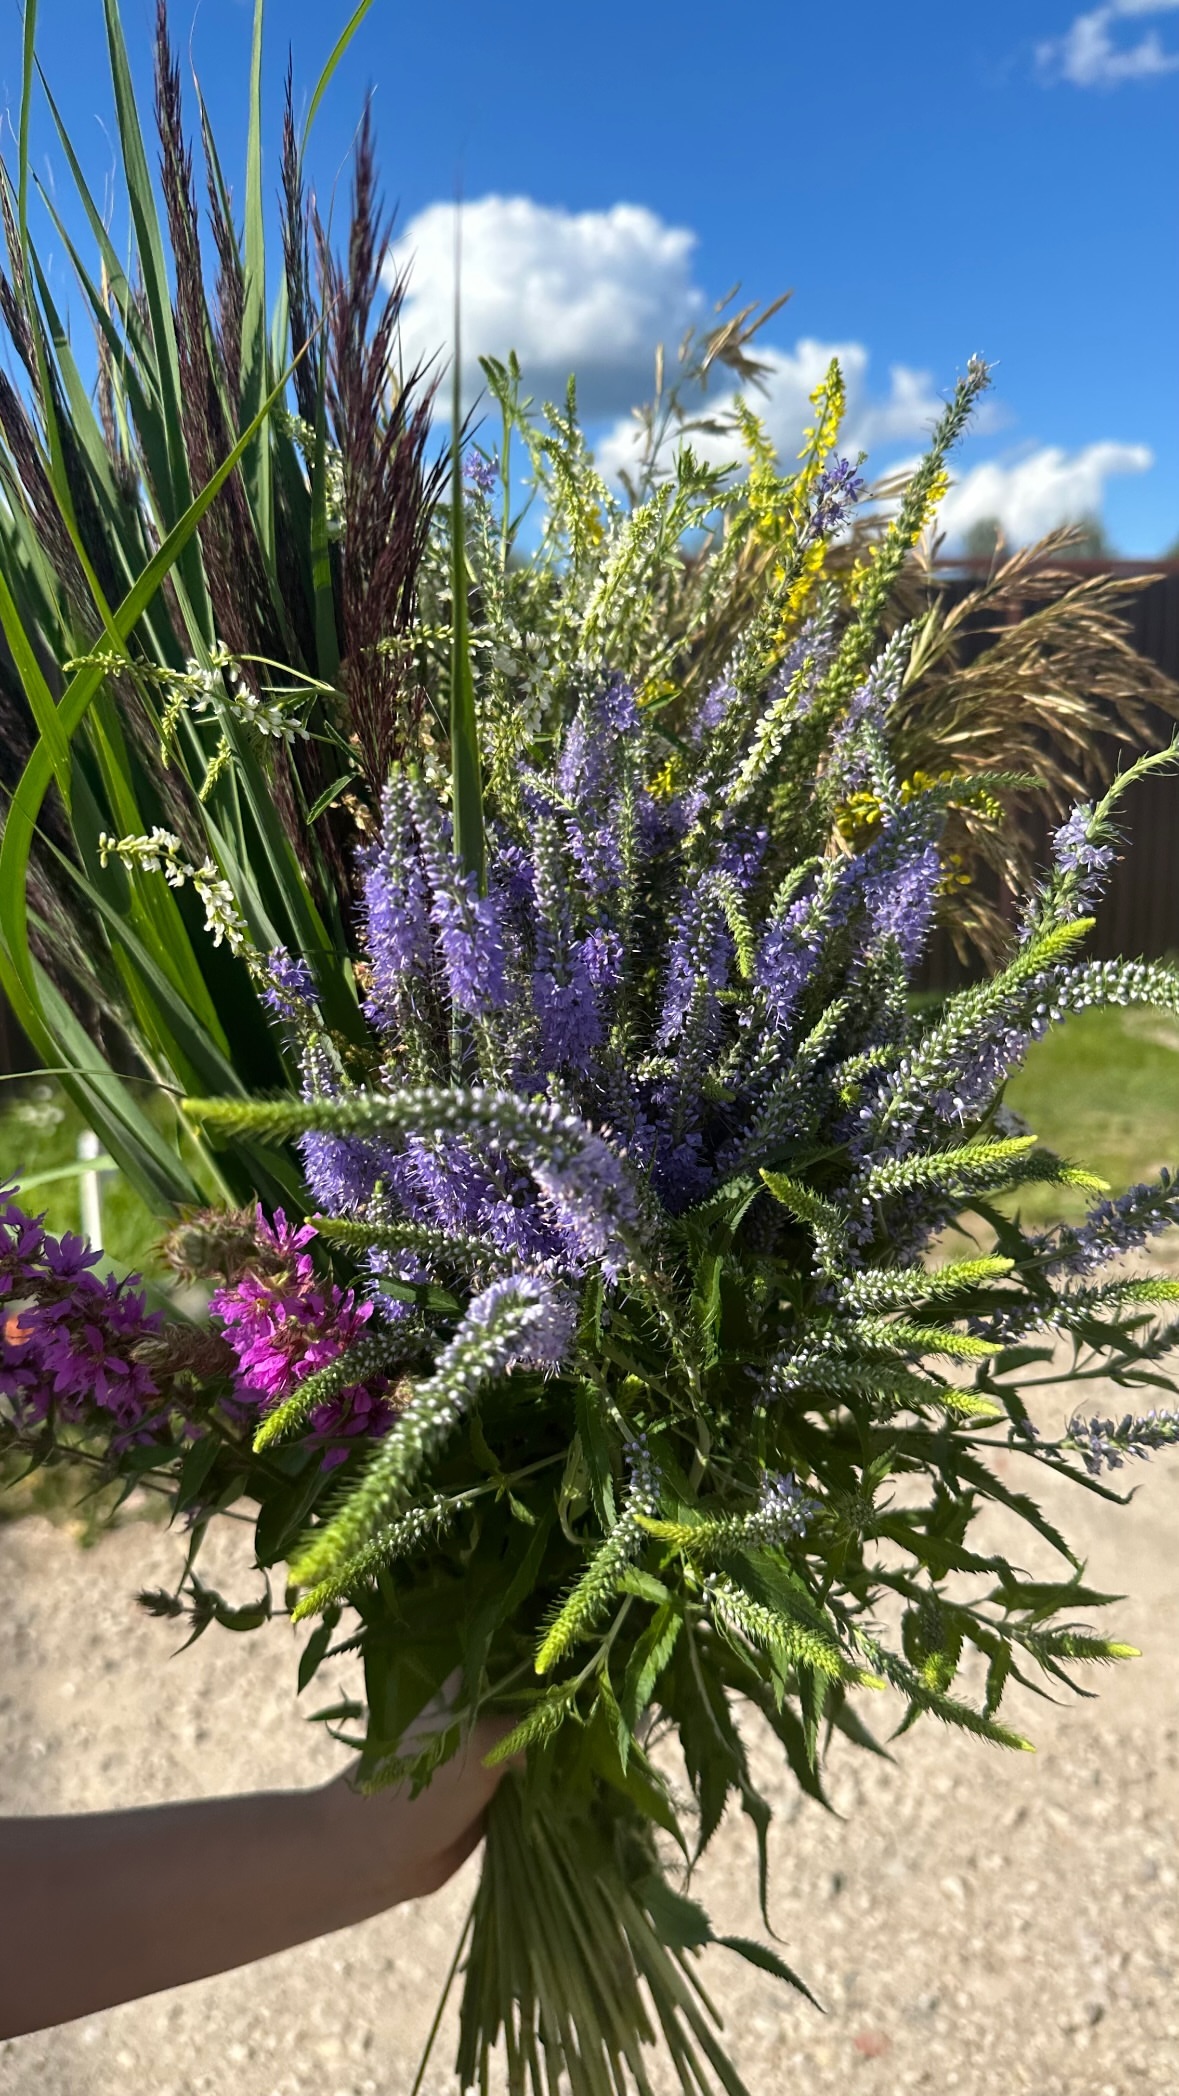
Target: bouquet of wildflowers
[(598, 1299), (622, 1305)]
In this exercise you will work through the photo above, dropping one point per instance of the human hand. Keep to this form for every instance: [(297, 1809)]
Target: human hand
[(408, 1846)]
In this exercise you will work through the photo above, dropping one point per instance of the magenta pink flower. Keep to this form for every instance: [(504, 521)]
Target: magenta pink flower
[(68, 1343), (283, 1322)]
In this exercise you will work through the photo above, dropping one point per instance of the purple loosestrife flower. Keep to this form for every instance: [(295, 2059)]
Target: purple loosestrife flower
[(22, 1243), (70, 1338), (283, 1323)]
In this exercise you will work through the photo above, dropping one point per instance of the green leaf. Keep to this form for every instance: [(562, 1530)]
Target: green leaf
[(643, 1586), (465, 766), (767, 1960), (316, 1648), (595, 1443), (651, 1655), (194, 1470), (337, 52), (256, 467), (320, 807)]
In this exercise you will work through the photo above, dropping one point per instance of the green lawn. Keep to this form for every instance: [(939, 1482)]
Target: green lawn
[(39, 1130), (1103, 1090)]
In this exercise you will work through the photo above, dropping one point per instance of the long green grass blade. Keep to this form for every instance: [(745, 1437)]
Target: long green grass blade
[(79, 696), (338, 49), (256, 470), (150, 249), (28, 63), (465, 769), (40, 698), (136, 1144)]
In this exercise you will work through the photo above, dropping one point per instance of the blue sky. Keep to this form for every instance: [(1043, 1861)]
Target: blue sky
[(930, 181)]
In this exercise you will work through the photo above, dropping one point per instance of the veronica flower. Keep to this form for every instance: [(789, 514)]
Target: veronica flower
[(1074, 852), (341, 1170), (899, 900), (783, 1512), (480, 473), (568, 975), (698, 965), (395, 913), (468, 927), (289, 986), (834, 495), (1118, 1226), (1104, 1444)]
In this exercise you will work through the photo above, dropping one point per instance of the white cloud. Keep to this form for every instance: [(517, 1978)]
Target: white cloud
[(1031, 495), (1090, 53), (873, 421), (588, 291)]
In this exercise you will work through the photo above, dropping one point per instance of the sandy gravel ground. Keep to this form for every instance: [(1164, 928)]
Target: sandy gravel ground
[(976, 1921)]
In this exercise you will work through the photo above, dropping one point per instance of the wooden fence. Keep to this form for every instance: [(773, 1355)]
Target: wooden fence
[(1140, 914)]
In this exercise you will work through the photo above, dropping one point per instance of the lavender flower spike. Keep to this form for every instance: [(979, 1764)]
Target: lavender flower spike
[(289, 985), (1104, 1444), (469, 926), (396, 909), (1074, 853)]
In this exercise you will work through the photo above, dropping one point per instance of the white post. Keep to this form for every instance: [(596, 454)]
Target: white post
[(90, 1188)]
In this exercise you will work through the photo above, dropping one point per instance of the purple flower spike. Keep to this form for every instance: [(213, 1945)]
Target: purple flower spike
[(480, 473), (836, 493), (1074, 852), (290, 986), (283, 1323), (396, 907), (68, 1340)]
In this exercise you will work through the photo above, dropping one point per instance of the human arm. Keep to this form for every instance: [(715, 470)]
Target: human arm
[(98, 1908)]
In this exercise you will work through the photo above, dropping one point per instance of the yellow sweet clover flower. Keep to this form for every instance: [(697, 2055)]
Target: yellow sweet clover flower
[(654, 690), (664, 783), (858, 818)]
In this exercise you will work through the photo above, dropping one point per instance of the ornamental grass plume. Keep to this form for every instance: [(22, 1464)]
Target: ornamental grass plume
[(578, 1184)]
